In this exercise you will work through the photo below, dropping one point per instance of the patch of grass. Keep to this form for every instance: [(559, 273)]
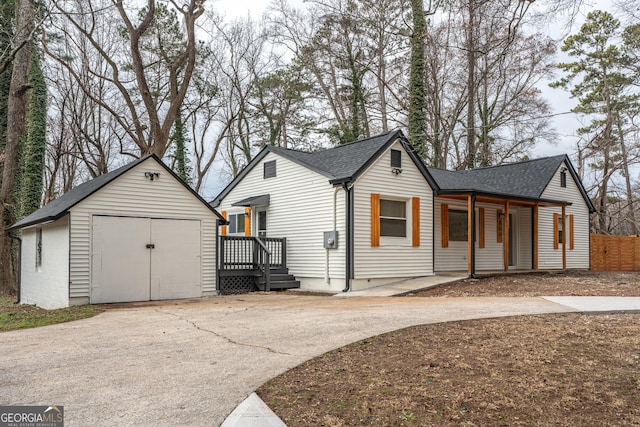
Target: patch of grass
[(560, 370), (18, 316)]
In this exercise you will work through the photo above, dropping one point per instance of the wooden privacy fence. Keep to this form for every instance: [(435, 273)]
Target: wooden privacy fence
[(615, 253)]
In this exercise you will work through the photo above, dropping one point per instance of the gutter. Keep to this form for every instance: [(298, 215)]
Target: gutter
[(348, 190), (19, 278)]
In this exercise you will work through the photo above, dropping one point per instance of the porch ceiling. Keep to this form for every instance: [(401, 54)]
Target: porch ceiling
[(501, 200)]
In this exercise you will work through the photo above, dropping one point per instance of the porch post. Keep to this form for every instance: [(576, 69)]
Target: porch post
[(506, 236), (471, 236), (564, 240), (535, 236)]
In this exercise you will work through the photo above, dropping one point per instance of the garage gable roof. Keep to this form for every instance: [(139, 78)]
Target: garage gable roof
[(59, 207)]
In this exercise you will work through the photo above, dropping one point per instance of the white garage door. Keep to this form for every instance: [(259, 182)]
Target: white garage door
[(142, 259)]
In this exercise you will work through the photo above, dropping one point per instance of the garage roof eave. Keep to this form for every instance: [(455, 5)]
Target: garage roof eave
[(39, 221)]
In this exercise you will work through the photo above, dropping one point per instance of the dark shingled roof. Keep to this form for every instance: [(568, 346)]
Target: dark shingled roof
[(343, 161), (526, 179), (340, 164), (59, 207)]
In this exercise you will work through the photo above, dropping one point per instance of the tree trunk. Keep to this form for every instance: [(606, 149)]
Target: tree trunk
[(471, 89), (417, 117), (16, 127), (627, 178)]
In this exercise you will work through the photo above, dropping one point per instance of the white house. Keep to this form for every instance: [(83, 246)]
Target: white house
[(367, 213), (137, 233)]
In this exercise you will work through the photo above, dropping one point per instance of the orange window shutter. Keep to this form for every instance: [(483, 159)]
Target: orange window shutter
[(555, 231), (481, 227), (444, 226), (223, 230), (570, 231), (499, 226), (375, 220), (247, 221), (415, 221)]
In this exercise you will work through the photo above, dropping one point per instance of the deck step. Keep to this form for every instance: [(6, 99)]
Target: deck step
[(289, 284), (279, 277)]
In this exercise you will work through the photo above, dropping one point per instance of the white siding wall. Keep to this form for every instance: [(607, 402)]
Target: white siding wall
[(46, 286), (132, 194), (491, 257), (395, 257), (301, 209), (525, 254), (550, 258)]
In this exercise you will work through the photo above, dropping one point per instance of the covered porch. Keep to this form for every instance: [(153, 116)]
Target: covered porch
[(487, 233)]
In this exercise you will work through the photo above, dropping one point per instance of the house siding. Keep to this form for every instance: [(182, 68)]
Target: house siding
[(395, 257), (301, 208), (548, 257), (134, 195), (47, 285)]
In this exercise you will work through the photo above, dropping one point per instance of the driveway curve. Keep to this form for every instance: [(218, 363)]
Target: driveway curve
[(191, 362)]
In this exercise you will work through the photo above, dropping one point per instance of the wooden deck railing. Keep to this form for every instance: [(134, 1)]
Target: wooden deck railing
[(252, 255)]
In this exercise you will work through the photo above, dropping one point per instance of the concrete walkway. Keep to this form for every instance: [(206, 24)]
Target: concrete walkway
[(193, 362), (404, 287)]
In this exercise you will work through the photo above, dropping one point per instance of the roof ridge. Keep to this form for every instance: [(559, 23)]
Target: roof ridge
[(513, 163), (336, 146)]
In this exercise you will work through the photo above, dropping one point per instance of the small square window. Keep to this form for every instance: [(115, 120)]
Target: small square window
[(563, 179), (458, 226), (269, 169), (560, 222), (38, 247), (393, 218), (236, 223), (396, 159)]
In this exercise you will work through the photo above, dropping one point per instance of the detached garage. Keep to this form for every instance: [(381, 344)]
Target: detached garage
[(138, 233)]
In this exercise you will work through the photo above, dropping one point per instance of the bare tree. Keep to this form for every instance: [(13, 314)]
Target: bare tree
[(147, 123)]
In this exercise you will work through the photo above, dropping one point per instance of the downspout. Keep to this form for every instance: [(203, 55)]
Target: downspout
[(473, 236), (218, 263), (349, 236), (19, 278)]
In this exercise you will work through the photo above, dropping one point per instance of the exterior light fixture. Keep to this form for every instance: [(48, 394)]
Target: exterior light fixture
[(396, 171), (152, 175)]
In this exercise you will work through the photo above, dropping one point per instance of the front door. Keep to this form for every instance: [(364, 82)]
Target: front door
[(261, 226)]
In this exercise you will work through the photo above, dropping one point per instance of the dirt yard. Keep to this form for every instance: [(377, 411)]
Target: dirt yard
[(574, 283), (561, 370)]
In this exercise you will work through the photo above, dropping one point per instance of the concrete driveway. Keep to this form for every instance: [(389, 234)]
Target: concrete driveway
[(192, 362)]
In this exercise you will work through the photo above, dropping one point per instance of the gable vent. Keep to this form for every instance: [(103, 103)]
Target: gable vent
[(396, 159), (269, 169)]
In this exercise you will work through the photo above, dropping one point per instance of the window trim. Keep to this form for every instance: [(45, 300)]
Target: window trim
[(563, 179), (405, 219), (239, 218), (466, 228)]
